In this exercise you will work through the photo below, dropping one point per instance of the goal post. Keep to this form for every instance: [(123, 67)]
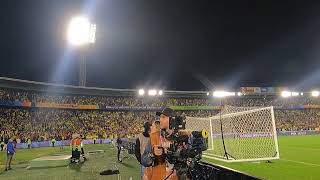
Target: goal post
[(240, 134)]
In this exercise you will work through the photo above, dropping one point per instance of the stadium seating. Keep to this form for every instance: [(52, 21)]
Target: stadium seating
[(45, 123)]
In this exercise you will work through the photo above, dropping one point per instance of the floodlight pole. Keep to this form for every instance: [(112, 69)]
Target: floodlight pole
[(83, 40), (83, 69)]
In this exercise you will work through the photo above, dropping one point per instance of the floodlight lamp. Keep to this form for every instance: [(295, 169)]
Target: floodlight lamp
[(285, 94), (141, 92), (315, 93), (152, 92), (221, 94), (294, 93), (80, 31)]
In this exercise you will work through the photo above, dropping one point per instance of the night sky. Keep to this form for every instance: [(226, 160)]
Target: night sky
[(175, 45)]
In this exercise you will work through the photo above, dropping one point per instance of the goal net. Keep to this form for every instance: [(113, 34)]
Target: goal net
[(239, 134)]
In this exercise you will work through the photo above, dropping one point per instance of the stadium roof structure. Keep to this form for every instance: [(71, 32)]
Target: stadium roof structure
[(53, 88)]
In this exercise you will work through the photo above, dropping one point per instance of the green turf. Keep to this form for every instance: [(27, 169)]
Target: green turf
[(88, 170), (300, 159), (245, 148)]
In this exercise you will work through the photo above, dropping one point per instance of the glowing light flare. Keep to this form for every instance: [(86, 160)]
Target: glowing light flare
[(152, 92), (285, 94), (80, 31), (315, 93), (221, 94), (294, 94), (141, 92)]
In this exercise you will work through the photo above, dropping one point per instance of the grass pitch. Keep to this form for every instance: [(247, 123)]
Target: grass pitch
[(299, 159), (90, 169)]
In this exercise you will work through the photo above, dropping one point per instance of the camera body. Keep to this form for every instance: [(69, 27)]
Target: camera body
[(177, 122), (185, 151)]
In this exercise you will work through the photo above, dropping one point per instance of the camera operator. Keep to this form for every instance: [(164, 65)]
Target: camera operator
[(154, 154)]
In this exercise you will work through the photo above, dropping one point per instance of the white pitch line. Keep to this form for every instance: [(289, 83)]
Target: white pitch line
[(300, 162), (206, 155), (293, 147)]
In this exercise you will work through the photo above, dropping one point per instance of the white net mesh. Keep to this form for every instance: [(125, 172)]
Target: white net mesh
[(198, 124), (232, 109), (247, 134)]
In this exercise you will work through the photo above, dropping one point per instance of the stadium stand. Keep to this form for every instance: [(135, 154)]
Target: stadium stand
[(56, 119)]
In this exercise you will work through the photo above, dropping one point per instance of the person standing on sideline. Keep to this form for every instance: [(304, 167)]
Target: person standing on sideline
[(29, 143), (141, 143), (119, 147), (75, 147), (53, 141), (62, 142), (95, 138), (10, 153), (2, 143)]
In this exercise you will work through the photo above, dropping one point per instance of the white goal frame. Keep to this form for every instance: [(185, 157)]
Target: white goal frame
[(216, 118)]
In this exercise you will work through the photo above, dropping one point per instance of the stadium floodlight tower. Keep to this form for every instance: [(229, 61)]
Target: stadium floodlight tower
[(81, 33)]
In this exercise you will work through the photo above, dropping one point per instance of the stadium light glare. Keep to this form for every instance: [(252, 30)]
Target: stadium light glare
[(160, 92), (221, 94), (294, 93), (141, 92), (208, 93), (92, 35), (239, 94), (286, 94), (80, 31), (315, 93), (152, 92), (301, 94)]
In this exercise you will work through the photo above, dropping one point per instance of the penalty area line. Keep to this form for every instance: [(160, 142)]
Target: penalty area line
[(300, 162)]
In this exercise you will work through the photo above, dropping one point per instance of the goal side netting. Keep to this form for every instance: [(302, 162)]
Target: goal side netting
[(239, 134)]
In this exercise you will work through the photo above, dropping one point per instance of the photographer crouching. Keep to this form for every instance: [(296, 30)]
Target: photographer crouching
[(172, 152)]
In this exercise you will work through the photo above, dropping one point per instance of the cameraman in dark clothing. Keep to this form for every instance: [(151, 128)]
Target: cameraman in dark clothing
[(119, 147)]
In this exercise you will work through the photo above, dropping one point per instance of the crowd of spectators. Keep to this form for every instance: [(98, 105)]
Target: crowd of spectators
[(45, 124), (41, 124), (308, 119)]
